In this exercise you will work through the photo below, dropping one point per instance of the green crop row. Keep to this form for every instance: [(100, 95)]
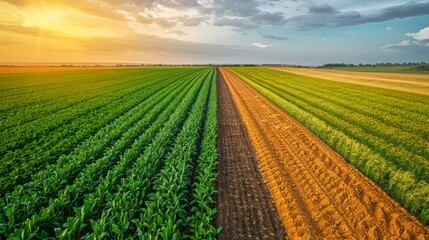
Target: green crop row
[(363, 125), (49, 182), (164, 216), (108, 198), (30, 147), (105, 186), (202, 205), (51, 100)]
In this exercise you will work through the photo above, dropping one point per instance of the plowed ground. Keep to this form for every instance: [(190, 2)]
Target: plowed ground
[(245, 208), (317, 193)]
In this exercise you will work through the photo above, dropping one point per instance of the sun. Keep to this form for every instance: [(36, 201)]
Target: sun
[(48, 18)]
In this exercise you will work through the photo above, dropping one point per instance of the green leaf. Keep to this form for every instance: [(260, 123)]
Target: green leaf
[(115, 229)]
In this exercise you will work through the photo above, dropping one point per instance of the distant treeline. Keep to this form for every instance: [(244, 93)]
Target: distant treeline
[(413, 65)]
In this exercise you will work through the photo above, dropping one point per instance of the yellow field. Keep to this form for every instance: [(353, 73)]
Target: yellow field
[(405, 82)]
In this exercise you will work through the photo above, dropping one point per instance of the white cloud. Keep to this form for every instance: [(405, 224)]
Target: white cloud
[(422, 35), (389, 28), (420, 38), (331, 39), (261, 45), (404, 43)]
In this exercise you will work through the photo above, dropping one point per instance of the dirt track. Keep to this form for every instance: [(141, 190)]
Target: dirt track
[(245, 209), (318, 195), (416, 83)]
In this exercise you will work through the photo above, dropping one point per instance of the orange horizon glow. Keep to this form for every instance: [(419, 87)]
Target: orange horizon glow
[(77, 32)]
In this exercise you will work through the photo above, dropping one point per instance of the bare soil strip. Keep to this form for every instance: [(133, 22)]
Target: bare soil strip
[(245, 208), (317, 193), (414, 83)]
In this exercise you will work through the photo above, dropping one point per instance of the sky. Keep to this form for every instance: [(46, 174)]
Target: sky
[(308, 32)]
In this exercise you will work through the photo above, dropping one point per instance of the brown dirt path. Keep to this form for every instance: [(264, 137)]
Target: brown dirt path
[(317, 193), (415, 83), (245, 208)]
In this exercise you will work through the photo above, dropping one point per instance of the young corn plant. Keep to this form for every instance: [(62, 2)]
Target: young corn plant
[(123, 210)]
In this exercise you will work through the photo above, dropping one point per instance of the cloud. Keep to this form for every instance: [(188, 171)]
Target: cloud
[(151, 43), (274, 37), (29, 31), (261, 45), (241, 15), (399, 11), (239, 24), (323, 15), (404, 43), (129, 42), (93, 8), (331, 39), (421, 39), (321, 8), (194, 21), (422, 35), (389, 28), (162, 22), (176, 32)]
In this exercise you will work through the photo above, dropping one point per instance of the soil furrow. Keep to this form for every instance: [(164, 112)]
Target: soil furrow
[(245, 209), (317, 193)]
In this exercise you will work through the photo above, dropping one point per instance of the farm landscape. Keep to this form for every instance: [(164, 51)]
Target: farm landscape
[(182, 150)]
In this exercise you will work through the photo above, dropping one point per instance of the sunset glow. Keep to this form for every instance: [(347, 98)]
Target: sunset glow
[(213, 31)]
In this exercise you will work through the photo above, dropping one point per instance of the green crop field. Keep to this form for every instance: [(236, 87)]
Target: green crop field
[(384, 133), (206, 119), (108, 154), (133, 153)]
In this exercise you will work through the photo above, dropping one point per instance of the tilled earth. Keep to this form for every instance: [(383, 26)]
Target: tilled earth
[(317, 193), (246, 210)]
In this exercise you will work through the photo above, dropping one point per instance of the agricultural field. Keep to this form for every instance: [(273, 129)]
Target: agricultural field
[(211, 153), (414, 83), (381, 132), (109, 154), (208, 119)]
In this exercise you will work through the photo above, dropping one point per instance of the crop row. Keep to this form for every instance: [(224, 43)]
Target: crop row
[(46, 89), (109, 183), (363, 125), (30, 147), (53, 179)]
